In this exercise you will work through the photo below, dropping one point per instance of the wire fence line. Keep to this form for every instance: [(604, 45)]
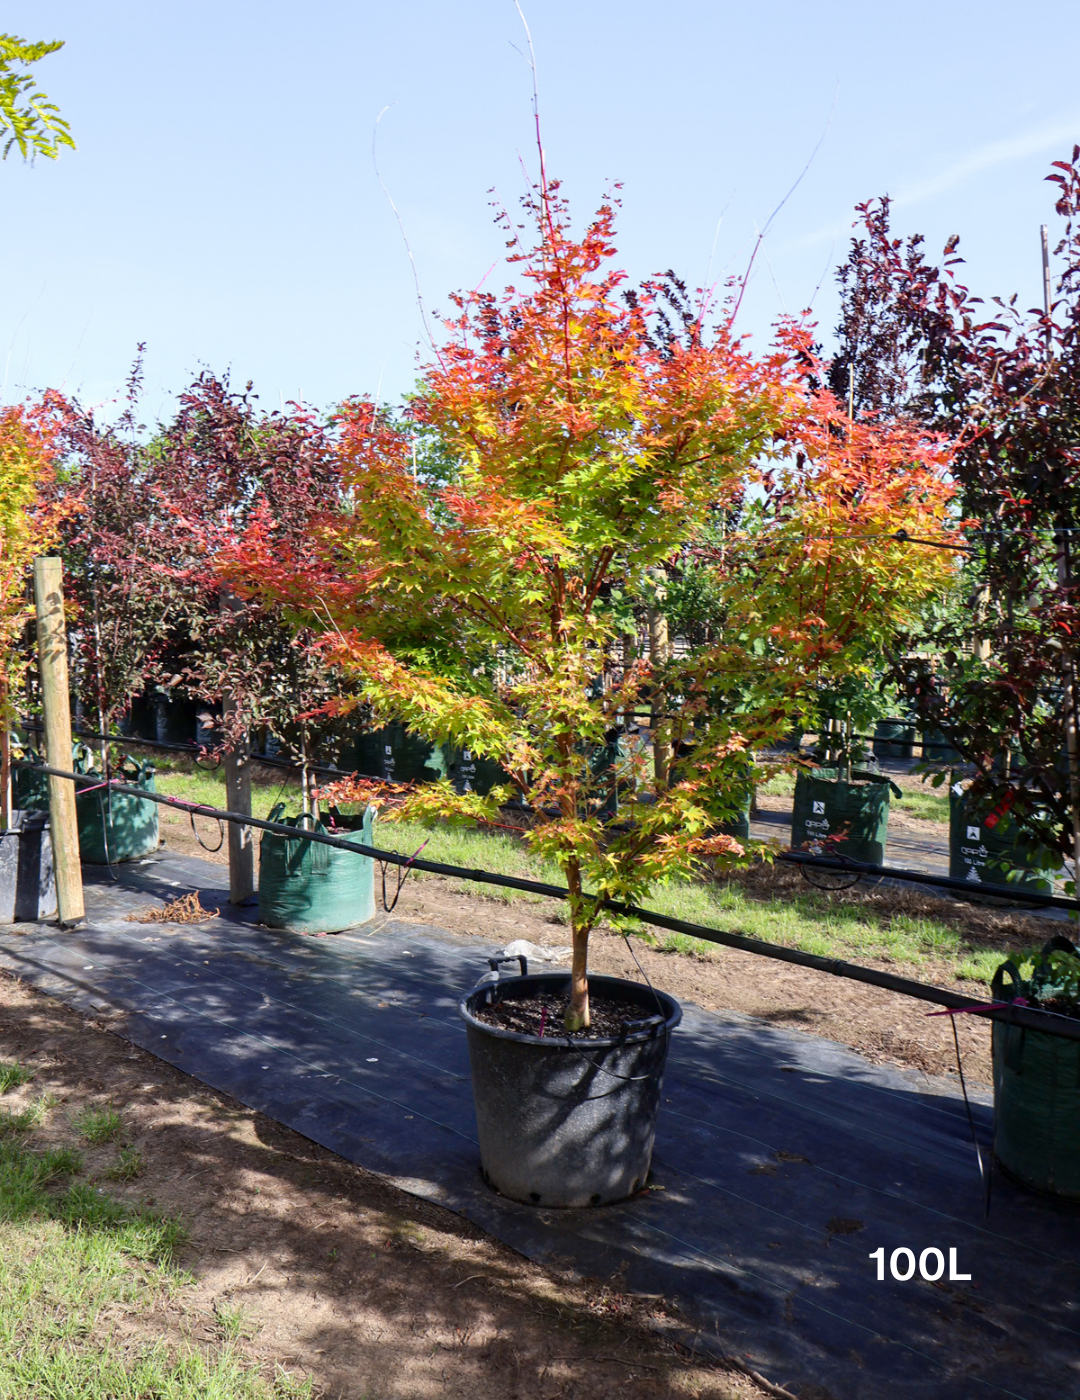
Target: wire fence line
[(1009, 1013)]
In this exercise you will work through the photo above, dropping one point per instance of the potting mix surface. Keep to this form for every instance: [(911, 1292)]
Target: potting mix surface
[(543, 1016), (783, 1161)]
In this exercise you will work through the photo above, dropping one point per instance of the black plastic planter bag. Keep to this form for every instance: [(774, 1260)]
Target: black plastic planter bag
[(27, 880), (825, 804), (307, 887), (1036, 1097), (562, 1121), (396, 755), (894, 738), (984, 850)]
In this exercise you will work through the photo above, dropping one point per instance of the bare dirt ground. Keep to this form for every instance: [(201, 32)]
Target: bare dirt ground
[(342, 1278), (881, 1025)]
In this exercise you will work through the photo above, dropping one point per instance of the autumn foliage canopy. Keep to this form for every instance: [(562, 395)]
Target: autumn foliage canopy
[(597, 434)]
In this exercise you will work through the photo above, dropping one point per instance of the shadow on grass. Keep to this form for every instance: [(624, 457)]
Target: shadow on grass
[(328, 1268)]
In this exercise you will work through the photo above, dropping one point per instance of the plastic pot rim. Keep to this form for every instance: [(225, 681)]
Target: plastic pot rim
[(560, 1041)]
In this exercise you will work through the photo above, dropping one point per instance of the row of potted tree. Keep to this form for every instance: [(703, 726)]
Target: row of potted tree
[(589, 437)]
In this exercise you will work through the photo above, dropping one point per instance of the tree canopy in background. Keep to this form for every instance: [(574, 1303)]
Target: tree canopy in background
[(1004, 384)]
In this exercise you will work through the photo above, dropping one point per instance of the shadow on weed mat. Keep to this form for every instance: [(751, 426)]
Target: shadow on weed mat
[(783, 1161)]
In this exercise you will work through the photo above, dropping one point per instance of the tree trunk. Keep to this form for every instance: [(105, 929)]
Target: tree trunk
[(238, 799), (305, 805), (659, 653), (5, 757), (1072, 720), (237, 789), (577, 1013)]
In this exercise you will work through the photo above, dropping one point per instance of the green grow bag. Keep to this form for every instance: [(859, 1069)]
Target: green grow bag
[(984, 852), (115, 826), (396, 755), (826, 804), (1036, 1097), (894, 738), (306, 887)]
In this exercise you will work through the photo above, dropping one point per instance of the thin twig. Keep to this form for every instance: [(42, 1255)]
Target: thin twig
[(404, 235)]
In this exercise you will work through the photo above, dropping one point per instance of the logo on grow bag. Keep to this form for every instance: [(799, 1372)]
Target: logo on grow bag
[(973, 833), (819, 809)]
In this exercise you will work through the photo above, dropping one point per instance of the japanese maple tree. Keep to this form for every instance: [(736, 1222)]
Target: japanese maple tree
[(595, 440)]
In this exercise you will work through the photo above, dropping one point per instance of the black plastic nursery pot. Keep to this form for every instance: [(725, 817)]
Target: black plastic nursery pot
[(566, 1122), (27, 881)]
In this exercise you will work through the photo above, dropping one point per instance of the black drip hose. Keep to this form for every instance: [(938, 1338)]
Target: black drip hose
[(1048, 1021)]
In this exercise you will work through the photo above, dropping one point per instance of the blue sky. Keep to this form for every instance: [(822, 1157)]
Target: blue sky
[(223, 207)]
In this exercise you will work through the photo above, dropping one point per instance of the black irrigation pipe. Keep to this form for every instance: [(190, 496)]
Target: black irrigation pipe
[(1048, 1021), (945, 882), (798, 857)]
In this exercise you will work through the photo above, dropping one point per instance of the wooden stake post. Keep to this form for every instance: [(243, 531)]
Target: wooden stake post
[(52, 655)]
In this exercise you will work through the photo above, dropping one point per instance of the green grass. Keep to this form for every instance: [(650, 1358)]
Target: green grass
[(234, 1323), (128, 1165), (98, 1125), (25, 1121), (12, 1074), (208, 788), (926, 804), (810, 922), (71, 1259)]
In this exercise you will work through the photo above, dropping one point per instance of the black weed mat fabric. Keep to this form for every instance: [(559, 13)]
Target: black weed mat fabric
[(782, 1160)]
